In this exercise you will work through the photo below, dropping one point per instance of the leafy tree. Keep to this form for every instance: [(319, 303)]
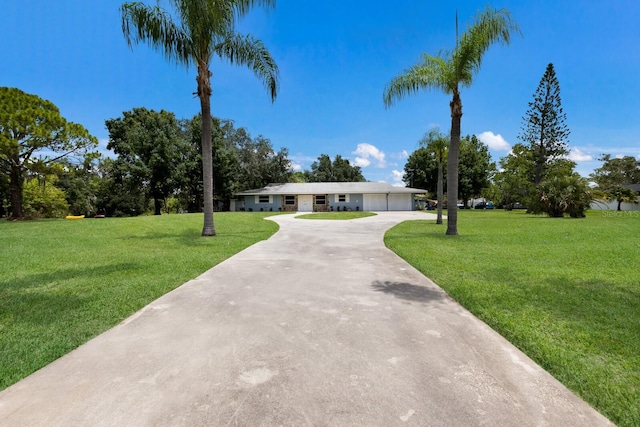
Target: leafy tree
[(43, 199), (421, 171), (338, 170), (80, 182), (193, 35), (476, 168), (448, 72), (614, 174), (514, 180), (30, 125), (543, 127), (437, 146), (119, 193), (147, 143)]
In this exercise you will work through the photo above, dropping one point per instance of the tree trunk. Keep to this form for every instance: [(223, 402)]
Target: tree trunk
[(204, 93), (452, 165), (157, 205), (16, 182), (439, 190)]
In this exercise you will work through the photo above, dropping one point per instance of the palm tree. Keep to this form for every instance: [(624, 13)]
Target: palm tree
[(201, 30), (437, 144), (448, 72)]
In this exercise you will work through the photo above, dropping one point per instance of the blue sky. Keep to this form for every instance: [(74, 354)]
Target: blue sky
[(335, 57)]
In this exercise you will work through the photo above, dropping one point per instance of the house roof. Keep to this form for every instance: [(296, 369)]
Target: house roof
[(634, 187), (331, 188)]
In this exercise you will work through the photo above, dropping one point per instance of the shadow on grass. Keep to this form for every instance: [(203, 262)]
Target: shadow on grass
[(44, 279), (407, 291)]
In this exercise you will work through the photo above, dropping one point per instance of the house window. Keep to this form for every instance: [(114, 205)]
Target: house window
[(264, 199), (321, 200), (342, 198), (289, 200)]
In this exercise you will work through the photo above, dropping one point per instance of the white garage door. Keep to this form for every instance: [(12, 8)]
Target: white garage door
[(374, 202), (400, 202)]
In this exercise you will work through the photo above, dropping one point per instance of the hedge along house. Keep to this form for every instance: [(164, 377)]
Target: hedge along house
[(326, 197)]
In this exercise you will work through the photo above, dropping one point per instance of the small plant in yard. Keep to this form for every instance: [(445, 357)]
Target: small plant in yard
[(565, 292)]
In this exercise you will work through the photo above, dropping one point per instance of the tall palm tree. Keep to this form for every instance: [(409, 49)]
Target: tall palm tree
[(198, 31), (448, 72), (437, 144)]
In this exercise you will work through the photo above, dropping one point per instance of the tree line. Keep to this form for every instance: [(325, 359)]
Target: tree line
[(49, 167), (536, 174)]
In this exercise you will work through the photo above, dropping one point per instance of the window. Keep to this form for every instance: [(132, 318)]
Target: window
[(289, 200), (321, 200), (342, 198), (263, 199)]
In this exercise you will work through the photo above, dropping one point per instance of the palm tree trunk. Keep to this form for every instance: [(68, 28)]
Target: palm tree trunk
[(204, 93), (452, 165), (439, 190)]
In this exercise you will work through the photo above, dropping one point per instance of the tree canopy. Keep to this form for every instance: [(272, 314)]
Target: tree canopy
[(615, 176), (338, 170), (31, 126), (147, 143)]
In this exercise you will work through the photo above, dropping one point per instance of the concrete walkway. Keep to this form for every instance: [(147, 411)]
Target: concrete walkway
[(320, 325)]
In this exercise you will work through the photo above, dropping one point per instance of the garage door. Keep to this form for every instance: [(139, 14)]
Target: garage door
[(374, 202), (400, 202)]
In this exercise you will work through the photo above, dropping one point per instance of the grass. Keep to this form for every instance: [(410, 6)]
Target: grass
[(337, 215), (565, 291), (64, 282)]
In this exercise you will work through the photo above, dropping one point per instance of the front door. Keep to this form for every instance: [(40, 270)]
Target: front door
[(305, 203)]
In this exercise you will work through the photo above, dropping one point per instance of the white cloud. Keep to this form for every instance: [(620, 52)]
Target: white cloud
[(493, 141), (397, 178), (296, 166), (578, 156), (402, 155), (367, 153)]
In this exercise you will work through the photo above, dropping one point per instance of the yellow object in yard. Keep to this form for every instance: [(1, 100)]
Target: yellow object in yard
[(74, 217)]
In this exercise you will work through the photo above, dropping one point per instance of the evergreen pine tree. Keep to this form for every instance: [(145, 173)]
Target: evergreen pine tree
[(544, 128)]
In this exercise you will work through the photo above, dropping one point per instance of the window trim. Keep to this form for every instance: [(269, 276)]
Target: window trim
[(260, 202)]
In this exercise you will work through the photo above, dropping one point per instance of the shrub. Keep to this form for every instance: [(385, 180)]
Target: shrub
[(560, 195)]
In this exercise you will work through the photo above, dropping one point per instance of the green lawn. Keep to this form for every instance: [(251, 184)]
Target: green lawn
[(565, 291), (336, 215), (64, 282)]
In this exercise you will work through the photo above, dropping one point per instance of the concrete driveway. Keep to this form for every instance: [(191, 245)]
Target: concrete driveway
[(320, 325)]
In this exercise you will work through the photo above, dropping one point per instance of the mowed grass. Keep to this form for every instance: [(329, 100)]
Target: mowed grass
[(336, 215), (565, 291), (64, 282)]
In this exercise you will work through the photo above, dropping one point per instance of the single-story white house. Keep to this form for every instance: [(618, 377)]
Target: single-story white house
[(327, 196)]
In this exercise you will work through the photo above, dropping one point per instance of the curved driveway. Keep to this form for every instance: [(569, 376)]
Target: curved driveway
[(320, 325)]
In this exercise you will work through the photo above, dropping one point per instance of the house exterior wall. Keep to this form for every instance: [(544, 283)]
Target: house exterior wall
[(253, 204), (351, 202), (332, 202)]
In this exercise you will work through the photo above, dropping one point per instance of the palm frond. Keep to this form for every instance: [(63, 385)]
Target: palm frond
[(432, 72), (246, 50), (490, 26), (153, 25)]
